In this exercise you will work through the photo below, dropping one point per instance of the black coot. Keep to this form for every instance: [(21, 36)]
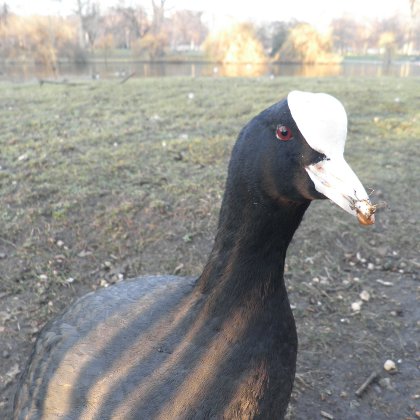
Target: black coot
[(223, 345)]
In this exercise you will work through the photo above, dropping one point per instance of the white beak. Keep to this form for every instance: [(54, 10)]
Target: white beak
[(336, 180)]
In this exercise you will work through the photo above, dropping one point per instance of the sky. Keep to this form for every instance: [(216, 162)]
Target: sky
[(316, 12)]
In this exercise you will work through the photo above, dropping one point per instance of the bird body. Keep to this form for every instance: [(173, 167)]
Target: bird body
[(222, 345)]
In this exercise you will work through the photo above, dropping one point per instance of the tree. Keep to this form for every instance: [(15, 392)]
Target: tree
[(238, 44), (414, 7), (187, 28), (412, 30), (37, 39), (349, 36), (89, 19), (106, 42), (158, 16), (129, 24), (155, 39), (394, 25), (304, 44), (387, 43), (4, 13), (273, 35)]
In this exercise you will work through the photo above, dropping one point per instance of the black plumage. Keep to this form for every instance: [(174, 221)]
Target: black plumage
[(220, 346)]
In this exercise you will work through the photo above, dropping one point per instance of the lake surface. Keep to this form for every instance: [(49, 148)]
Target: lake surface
[(119, 70)]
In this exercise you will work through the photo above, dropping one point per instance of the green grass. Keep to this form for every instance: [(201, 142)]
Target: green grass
[(129, 170), (100, 180)]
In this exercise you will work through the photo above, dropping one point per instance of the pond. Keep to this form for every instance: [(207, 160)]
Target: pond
[(118, 69)]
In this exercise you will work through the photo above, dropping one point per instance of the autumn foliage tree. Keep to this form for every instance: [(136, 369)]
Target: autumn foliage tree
[(304, 44), (37, 39), (237, 44)]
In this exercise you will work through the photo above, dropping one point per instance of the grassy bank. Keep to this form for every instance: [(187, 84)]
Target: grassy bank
[(104, 181)]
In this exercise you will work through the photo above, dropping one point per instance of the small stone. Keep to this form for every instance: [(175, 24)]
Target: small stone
[(103, 283), (390, 366), (22, 157), (5, 354), (370, 266), (356, 306), (384, 283), (13, 372), (365, 296), (70, 280), (354, 404), (388, 265), (178, 268), (60, 243), (43, 277), (386, 383), (360, 258), (326, 415), (84, 253), (2, 255)]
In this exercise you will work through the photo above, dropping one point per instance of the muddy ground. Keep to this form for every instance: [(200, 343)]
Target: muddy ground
[(103, 181)]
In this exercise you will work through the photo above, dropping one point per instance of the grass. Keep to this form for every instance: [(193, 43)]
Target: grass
[(96, 161), (103, 180)]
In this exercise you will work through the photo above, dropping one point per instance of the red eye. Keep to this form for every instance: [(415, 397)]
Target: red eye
[(283, 133)]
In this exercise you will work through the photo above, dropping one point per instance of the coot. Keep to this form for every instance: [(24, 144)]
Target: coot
[(222, 345)]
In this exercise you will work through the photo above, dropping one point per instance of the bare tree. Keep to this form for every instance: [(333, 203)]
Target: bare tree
[(132, 22), (89, 21), (158, 16), (414, 7), (4, 13), (412, 34), (187, 29)]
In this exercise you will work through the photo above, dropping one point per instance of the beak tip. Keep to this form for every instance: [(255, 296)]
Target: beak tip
[(365, 221), (365, 212)]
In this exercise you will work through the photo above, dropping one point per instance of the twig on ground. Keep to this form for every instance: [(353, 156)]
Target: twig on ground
[(365, 384), (6, 241), (58, 82), (127, 77)]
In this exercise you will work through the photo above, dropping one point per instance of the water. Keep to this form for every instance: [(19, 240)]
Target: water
[(120, 70)]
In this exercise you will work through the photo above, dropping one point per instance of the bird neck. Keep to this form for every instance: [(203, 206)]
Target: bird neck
[(246, 264)]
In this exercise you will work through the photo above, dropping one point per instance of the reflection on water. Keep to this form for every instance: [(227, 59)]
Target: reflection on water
[(111, 70)]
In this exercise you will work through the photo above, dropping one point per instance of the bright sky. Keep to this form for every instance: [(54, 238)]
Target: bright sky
[(317, 12)]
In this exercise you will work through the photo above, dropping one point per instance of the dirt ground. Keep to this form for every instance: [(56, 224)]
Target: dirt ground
[(101, 182)]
